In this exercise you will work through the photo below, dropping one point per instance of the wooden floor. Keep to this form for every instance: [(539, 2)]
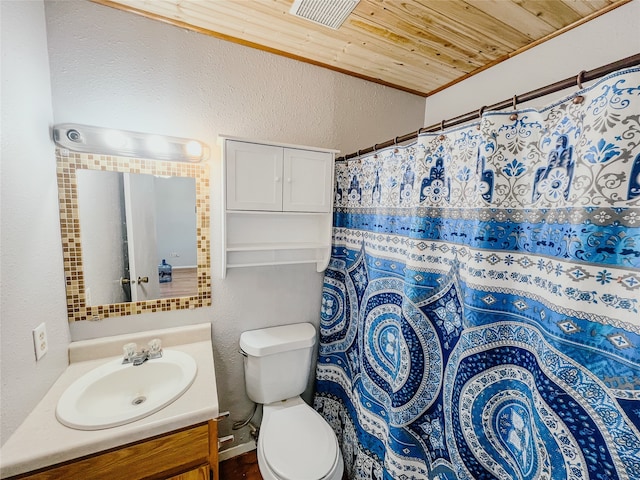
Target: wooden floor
[(243, 466), (184, 283)]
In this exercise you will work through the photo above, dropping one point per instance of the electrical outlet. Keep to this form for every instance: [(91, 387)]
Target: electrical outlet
[(174, 254), (40, 341)]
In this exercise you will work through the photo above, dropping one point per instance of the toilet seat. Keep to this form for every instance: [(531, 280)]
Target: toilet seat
[(298, 444)]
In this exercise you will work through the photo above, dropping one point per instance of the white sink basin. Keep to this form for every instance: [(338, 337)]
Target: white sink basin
[(114, 394)]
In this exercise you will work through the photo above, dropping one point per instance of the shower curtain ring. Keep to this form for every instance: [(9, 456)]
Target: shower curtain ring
[(514, 102), (579, 79), (480, 112), (578, 99)]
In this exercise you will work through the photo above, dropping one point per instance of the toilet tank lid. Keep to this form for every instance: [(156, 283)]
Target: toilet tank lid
[(268, 341)]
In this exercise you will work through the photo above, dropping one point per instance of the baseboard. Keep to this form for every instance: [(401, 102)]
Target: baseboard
[(237, 450)]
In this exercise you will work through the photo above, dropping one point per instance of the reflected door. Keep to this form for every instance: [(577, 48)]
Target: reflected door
[(140, 210)]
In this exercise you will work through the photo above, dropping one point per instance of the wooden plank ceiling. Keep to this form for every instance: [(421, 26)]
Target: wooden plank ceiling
[(420, 46)]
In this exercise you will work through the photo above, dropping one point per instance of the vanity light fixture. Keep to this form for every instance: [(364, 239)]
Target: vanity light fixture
[(104, 141), (116, 139), (157, 144)]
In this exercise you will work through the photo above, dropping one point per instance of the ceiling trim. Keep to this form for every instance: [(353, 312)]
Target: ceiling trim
[(239, 41)]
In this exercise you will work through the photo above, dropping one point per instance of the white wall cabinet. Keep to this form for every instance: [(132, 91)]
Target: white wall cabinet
[(253, 175), (273, 178), (278, 201)]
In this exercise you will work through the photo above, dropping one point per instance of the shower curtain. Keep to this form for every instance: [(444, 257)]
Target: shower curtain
[(480, 310)]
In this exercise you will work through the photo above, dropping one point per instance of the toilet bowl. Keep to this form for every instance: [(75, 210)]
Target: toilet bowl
[(296, 443)]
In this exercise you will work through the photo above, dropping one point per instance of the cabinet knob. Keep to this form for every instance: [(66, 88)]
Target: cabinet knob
[(277, 179), (288, 180)]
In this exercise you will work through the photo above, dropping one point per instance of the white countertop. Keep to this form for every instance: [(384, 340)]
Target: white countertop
[(41, 440)]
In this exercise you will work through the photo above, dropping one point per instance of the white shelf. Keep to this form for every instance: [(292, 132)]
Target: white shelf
[(269, 213), (275, 246), (284, 254), (264, 264), (284, 221)]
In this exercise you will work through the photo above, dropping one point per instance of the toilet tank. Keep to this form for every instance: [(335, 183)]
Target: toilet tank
[(277, 361)]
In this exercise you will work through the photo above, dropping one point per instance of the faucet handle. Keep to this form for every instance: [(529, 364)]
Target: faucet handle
[(155, 347), (129, 350)]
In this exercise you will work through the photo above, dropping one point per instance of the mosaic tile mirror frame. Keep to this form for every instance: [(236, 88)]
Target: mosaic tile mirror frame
[(68, 163)]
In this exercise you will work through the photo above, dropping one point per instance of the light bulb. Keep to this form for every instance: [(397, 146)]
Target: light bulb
[(157, 144), (194, 149), (115, 139)]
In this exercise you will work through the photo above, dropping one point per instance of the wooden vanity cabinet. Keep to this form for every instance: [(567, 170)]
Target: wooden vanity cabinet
[(187, 454)]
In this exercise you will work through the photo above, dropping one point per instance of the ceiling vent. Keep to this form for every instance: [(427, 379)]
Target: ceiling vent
[(330, 13)]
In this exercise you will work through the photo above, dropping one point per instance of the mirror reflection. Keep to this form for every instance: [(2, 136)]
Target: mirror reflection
[(138, 235)]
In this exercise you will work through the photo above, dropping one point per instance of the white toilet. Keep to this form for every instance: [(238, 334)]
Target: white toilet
[(295, 442)]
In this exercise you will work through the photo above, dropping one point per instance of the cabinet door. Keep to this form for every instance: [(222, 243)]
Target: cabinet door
[(307, 181), (254, 176), (142, 460)]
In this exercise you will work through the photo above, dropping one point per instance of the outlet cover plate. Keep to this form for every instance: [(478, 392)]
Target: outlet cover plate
[(40, 341)]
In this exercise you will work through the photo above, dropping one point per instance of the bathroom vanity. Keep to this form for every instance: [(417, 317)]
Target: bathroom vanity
[(186, 454), (178, 442)]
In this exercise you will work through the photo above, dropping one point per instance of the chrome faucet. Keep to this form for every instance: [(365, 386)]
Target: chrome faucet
[(154, 350), (140, 357)]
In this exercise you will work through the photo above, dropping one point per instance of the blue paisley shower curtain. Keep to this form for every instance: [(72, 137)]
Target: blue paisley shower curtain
[(480, 310)]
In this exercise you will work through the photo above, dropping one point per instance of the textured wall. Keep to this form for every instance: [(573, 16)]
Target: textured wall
[(30, 251), (603, 40), (114, 69)]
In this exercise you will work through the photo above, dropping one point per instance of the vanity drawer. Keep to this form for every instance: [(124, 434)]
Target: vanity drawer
[(156, 458)]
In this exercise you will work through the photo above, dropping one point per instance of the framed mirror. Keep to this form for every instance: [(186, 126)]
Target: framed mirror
[(135, 234)]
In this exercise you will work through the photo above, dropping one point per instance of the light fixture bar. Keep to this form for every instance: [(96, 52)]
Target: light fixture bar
[(106, 141)]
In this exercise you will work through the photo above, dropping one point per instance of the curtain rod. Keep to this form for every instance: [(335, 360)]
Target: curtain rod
[(583, 76)]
